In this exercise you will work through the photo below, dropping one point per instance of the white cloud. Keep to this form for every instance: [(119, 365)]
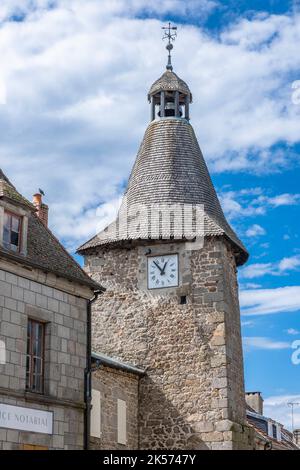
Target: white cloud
[(285, 199), (260, 342), (76, 78), (274, 269), (289, 263), (253, 202), (276, 407), (292, 331), (251, 285), (255, 231), (248, 323), (268, 301), (256, 270)]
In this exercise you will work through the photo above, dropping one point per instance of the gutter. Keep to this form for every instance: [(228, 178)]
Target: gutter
[(88, 372), (104, 360)]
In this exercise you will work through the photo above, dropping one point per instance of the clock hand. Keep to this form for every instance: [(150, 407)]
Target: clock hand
[(165, 265), (158, 266)]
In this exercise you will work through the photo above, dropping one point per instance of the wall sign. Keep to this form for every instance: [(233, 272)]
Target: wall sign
[(26, 419)]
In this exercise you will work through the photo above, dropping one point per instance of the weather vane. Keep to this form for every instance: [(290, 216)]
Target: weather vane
[(170, 34)]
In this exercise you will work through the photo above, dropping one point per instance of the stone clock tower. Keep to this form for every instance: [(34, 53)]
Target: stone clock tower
[(171, 306)]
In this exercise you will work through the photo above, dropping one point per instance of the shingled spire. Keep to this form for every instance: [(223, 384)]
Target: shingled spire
[(170, 169)]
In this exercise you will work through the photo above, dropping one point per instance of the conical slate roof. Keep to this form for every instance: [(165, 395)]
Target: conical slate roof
[(169, 170), (169, 81)]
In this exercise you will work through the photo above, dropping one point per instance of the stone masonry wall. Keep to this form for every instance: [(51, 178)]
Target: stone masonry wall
[(65, 359), (113, 385), (192, 396)]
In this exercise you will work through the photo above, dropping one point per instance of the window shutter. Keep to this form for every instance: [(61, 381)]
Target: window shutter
[(122, 432), (96, 414), (2, 352)]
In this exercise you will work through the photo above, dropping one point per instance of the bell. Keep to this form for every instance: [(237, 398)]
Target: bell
[(170, 109)]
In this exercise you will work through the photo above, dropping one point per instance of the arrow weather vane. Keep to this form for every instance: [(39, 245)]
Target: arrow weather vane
[(170, 34)]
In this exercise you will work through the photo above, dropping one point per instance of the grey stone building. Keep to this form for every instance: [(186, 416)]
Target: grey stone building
[(171, 306), (44, 297), (115, 404)]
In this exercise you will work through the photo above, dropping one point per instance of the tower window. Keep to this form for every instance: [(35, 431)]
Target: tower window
[(12, 231), (35, 356), (183, 300)]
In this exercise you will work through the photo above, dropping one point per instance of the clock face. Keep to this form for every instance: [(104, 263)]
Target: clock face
[(162, 271)]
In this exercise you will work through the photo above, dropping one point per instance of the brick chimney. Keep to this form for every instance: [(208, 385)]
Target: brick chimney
[(42, 209), (297, 436), (255, 401)]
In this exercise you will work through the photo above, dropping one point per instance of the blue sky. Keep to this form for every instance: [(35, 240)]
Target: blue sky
[(73, 111)]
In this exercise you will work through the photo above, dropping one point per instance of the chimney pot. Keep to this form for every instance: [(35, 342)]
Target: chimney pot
[(297, 436), (41, 208)]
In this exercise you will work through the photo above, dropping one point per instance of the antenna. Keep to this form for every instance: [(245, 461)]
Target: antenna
[(291, 405)]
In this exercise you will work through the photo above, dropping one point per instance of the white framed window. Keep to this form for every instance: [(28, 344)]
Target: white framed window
[(96, 414), (122, 424), (12, 231), (274, 430), (13, 228)]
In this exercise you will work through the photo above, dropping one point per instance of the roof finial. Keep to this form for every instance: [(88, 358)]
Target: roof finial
[(168, 34)]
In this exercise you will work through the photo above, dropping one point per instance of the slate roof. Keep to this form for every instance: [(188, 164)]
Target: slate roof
[(260, 425), (170, 169), (8, 191), (169, 81), (116, 364), (44, 251)]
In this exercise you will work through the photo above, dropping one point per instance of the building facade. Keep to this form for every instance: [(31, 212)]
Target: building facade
[(115, 404), (171, 308), (43, 330), (268, 433)]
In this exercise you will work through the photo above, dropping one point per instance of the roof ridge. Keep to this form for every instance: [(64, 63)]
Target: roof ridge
[(7, 190), (5, 178)]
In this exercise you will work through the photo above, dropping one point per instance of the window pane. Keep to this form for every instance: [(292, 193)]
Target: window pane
[(15, 224), (7, 221), (33, 385), (14, 237), (38, 383), (28, 363), (27, 380), (34, 363), (6, 237), (11, 231), (38, 366)]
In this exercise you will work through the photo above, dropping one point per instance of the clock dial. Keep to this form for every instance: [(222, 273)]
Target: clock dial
[(162, 271)]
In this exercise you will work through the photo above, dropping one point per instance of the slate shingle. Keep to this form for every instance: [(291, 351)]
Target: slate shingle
[(44, 251), (169, 81), (170, 169)]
